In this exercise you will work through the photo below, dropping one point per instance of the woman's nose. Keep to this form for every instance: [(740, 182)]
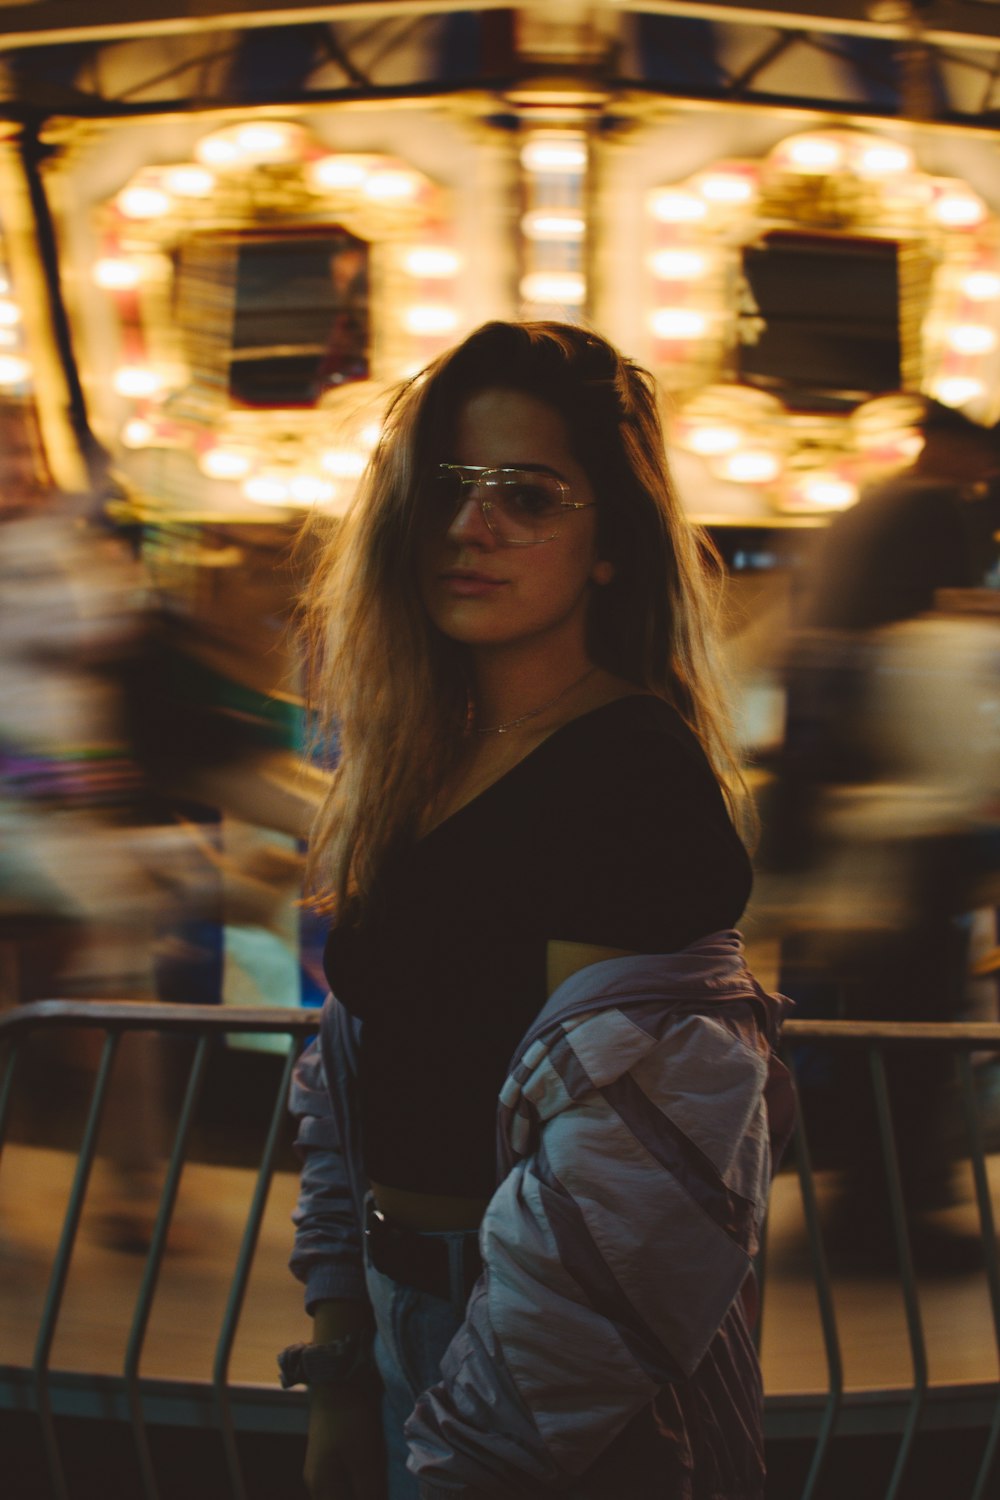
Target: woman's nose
[(468, 523)]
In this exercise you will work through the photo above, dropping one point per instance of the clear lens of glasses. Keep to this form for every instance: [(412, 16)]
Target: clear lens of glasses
[(521, 506)]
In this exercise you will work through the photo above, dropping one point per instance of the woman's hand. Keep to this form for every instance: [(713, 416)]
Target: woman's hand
[(345, 1456)]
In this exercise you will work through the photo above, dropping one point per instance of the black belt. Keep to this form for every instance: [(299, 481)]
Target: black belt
[(418, 1260)]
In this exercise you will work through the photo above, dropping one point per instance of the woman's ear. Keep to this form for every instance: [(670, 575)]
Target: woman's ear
[(602, 571)]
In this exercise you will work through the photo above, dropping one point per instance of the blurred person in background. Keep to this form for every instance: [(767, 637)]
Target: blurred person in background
[(885, 781)]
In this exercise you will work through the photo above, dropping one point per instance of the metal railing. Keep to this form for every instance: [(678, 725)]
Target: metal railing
[(823, 1418)]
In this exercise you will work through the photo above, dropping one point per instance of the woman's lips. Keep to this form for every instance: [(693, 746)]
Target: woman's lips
[(470, 585)]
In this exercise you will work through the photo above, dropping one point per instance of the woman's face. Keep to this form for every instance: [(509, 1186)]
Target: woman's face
[(483, 593)]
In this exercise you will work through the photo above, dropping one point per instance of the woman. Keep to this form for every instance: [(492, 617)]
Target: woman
[(534, 878)]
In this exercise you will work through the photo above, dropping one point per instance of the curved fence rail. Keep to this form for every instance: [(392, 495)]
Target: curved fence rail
[(229, 1405)]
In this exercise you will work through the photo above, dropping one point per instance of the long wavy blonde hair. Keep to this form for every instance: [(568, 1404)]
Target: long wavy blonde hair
[(394, 692)]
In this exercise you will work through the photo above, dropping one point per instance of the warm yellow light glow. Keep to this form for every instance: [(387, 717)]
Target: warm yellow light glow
[(144, 202), (116, 275), (267, 140), (10, 314), (750, 466), (136, 380), (225, 463), (957, 390), (814, 153), (554, 153), (726, 187), (971, 338), (310, 489), (4, 285), (829, 491), (338, 173), (8, 337), (567, 287), (13, 371), (266, 489), (671, 206), (217, 151), (958, 210), (426, 318), (715, 439), (343, 463), (981, 286), (189, 182), (370, 434), (678, 265), (432, 261), (554, 224), (391, 186), (678, 323), (137, 433), (883, 159)]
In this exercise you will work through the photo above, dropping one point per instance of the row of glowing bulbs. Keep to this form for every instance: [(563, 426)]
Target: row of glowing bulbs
[(263, 484), (14, 370)]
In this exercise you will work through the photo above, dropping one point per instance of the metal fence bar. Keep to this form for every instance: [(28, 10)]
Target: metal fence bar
[(60, 1268), (989, 1238), (911, 1301), (154, 1261), (241, 1276), (7, 1091), (824, 1298)]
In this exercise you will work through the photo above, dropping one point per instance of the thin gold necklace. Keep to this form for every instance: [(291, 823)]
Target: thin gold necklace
[(533, 713)]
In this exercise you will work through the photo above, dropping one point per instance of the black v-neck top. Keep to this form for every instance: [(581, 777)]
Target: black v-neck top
[(612, 831)]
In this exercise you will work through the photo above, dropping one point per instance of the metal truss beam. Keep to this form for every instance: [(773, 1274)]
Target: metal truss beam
[(50, 23), (970, 24)]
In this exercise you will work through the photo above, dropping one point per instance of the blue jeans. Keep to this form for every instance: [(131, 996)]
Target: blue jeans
[(413, 1329)]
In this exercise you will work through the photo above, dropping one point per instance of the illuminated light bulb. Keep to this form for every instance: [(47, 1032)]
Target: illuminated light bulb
[(10, 314), (218, 151), (13, 370), (391, 186), (338, 173), (309, 489), (814, 153), (136, 380), (343, 463), (980, 286), (138, 433), (678, 265), (265, 140), (883, 159), (144, 202), (554, 286), (829, 491), (726, 187), (432, 261), (554, 153), (554, 224), (673, 207), (225, 463), (971, 338), (427, 319), (266, 489), (750, 466), (189, 182), (712, 440), (956, 390), (370, 434), (678, 323), (117, 275), (958, 210)]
